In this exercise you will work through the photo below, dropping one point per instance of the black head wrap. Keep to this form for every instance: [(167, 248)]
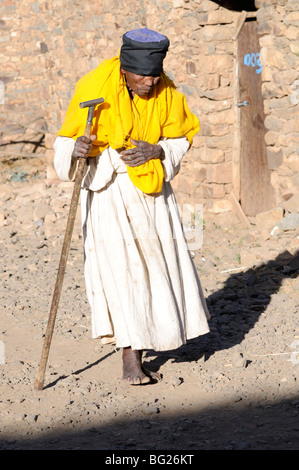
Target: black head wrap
[(143, 52)]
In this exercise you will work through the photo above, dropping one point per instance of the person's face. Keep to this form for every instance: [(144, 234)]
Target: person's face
[(139, 84)]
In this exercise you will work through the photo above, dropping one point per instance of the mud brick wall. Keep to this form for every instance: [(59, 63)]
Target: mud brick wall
[(47, 46)]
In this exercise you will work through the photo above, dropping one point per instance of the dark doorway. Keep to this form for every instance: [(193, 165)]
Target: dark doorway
[(237, 5)]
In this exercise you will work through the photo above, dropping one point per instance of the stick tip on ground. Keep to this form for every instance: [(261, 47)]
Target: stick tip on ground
[(39, 385)]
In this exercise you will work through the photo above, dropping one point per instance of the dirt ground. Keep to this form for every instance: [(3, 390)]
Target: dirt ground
[(235, 388)]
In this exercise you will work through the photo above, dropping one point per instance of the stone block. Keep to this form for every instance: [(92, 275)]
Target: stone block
[(214, 130), (209, 155), (272, 90), (272, 57), (266, 41), (212, 191), (267, 13), (291, 5), (197, 141), (219, 173), (223, 94), (291, 61), (292, 33), (283, 102), (202, 18), (184, 183), (224, 142), (268, 219), (192, 23), (292, 18), (294, 125), (222, 117), (205, 5), (285, 114), (177, 3), (222, 16), (274, 158), (290, 222), (293, 162), (214, 33), (294, 46), (271, 137), (199, 174), (292, 204), (215, 63), (221, 130), (211, 81), (273, 123), (220, 206), (208, 106)]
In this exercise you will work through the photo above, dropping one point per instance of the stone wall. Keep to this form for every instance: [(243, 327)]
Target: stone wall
[(22, 75), (279, 23), (47, 46)]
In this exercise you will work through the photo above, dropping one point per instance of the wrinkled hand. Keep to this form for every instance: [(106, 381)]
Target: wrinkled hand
[(83, 146), (142, 153)]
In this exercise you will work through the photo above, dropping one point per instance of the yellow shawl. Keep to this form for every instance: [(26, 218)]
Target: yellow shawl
[(164, 113)]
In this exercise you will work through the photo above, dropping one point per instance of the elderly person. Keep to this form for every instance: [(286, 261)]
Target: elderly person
[(141, 283)]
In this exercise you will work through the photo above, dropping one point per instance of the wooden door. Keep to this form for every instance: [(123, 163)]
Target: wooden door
[(256, 193)]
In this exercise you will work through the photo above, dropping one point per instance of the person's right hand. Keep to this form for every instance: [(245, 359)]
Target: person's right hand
[(83, 146)]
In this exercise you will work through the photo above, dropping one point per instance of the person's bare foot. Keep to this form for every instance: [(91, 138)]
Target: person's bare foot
[(133, 371)]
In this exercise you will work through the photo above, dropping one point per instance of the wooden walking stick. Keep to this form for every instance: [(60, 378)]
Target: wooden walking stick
[(39, 383)]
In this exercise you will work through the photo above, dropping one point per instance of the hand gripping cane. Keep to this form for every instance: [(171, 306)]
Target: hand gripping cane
[(39, 383)]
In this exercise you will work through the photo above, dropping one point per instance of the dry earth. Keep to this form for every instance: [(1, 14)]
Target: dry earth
[(235, 388)]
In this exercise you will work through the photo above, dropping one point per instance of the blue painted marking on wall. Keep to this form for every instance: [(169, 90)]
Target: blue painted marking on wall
[(253, 60)]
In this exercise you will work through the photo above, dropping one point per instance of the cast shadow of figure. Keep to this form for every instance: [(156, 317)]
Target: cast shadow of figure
[(234, 310)]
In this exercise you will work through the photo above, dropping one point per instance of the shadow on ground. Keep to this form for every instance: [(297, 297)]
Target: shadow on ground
[(234, 309), (239, 426)]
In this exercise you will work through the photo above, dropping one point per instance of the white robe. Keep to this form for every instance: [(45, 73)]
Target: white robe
[(141, 282)]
